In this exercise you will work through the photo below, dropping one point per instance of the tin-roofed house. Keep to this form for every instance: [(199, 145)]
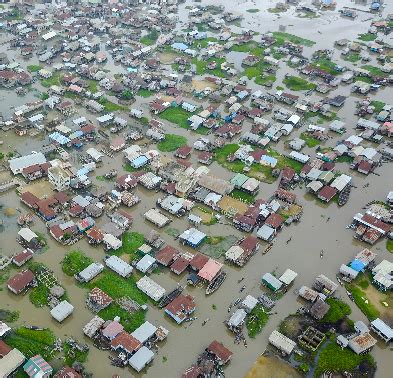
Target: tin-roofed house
[(37, 367), (180, 308)]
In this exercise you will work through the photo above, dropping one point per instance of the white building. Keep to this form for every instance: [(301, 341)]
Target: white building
[(59, 178)]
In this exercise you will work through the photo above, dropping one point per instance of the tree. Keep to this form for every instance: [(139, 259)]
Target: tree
[(127, 95)]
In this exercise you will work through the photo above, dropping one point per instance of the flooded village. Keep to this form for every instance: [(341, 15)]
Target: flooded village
[(196, 188)]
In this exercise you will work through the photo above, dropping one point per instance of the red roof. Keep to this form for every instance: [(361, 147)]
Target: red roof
[(192, 372), (67, 372), (167, 255), (288, 174), (20, 281), (180, 265), (181, 306), (29, 199), (22, 257), (95, 233), (376, 222), (183, 151), (365, 166), (100, 297), (210, 270), (4, 349), (274, 220), (249, 243), (198, 261), (327, 193), (223, 353), (125, 341)]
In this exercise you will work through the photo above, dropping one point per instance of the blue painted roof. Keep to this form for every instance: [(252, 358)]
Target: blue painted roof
[(139, 161), (59, 138), (357, 265), (179, 46)]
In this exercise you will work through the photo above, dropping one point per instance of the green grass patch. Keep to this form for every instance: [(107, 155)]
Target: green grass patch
[(251, 47), (116, 286), (310, 141), (338, 310), (92, 86), (31, 342), (201, 66), (243, 196), (360, 298), (54, 80), (177, 115), (344, 159), (145, 93), (205, 42), (171, 143), (326, 65), (367, 37), (282, 37), (364, 79), (378, 105), (256, 320), (72, 355), (389, 245), (335, 359), (150, 38), (110, 106), (9, 316), (275, 10), (131, 242), (298, 84), (34, 67), (130, 321), (253, 10), (74, 262), (39, 295), (214, 240), (352, 57), (374, 70)]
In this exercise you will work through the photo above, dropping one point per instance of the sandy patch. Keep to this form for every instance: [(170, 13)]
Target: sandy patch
[(228, 203), (271, 367), (167, 58), (41, 189), (200, 85), (376, 298)]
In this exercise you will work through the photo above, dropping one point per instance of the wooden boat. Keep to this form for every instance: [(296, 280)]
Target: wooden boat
[(216, 283), (344, 196), (268, 248), (170, 297)]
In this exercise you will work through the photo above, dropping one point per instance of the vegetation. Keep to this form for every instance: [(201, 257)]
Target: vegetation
[(256, 320), (367, 37), (201, 66), (389, 245), (171, 143), (375, 71), (378, 105), (205, 42), (352, 57), (145, 93), (364, 79), (33, 68), (127, 95), (178, 116), (334, 359), (214, 240), (39, 295), (31, 342), (362, 302), (130, 321), (243, 196), (110, 106), (251, 47), (9, 316), (72, 355), (74, 262), (117, 287), (92, 86), (55, 79), (150, 38), (131, 242), (310, 141), (298, 84), (338, 310), (282, 37), (326, 65), (344, 159), (253, 10)]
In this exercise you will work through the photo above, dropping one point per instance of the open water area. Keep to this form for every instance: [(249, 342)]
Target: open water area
[(322, 227)]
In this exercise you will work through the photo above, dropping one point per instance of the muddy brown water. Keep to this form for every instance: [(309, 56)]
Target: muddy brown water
[(311, 235)]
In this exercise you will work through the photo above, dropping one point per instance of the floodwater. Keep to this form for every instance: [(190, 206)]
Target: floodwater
[(311, 235)]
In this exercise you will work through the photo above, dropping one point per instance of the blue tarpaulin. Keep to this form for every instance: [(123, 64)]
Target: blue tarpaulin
[(357, 265)]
